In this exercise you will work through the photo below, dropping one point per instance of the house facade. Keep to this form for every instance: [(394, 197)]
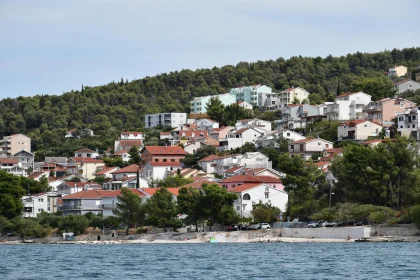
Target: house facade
[(409, 123), (85, 167), (249, 194), (13, 144), (238, 180), (199, 104), (163, 154), (165, 119), (86, 153), (348, 106), (238, 138), (110, 200), (208, 163), (406, 85), (159, 170), (11, 165), (307, 147), (385, 110), (289, 95), (253, 94), (25, 159), (358, 130), (294, 116), (398, 71)]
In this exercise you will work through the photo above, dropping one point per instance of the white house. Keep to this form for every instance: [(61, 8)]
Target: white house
[(358, 130), (240, 137), (38, 203), (11, 165), (86, 153), (248, 160), (248, 194), (406, 85), (131, 135), (125, 156), (291, 135), (125, 182), (305, 148), (271, 139), (245, 105), (289, 95), (266, 125), (165, 119), (208, 163), (67, 188), (105, 171), (206, 124), (409, 122), (25, 159), (129, 139), (348, 106), (159, 170), (126, 172)]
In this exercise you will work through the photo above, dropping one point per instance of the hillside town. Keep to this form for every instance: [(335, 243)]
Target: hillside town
[(205, 152)]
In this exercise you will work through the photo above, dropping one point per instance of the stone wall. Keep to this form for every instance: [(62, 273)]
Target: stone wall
[(397, 230)]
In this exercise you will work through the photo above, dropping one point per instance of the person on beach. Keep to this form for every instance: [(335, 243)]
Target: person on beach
[(348, 237)]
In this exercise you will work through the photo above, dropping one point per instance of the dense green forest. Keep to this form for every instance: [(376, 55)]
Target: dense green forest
[(121, 105)]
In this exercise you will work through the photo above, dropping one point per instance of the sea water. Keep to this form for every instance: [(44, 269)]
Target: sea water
[(212, 261)]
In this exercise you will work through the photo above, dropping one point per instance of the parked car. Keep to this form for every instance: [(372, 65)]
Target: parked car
[(231, 228), (253, 226), (263, 226), (322, 223), (313, 224), (332, 224)]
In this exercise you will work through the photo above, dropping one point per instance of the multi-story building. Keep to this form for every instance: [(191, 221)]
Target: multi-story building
[(84, 167), (248, 160), (199, 104), (25, 159), (348, 106), (406, 85), (13, 144), (397, 71), (162, 154), (409, 123), (127, 140), (305, 148), (358, 130), (165, 119), (254, 94), (266, 125), (38, 203), (384, 111), (294, 116), (86, 153), (289, 95), (153, 171), (11, 165)]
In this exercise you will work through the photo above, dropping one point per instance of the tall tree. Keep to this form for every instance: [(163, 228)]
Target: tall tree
[(265, 212), (129, 209), (216, 110), (134, 155), (11, 193), (161, 209), (189, 202)]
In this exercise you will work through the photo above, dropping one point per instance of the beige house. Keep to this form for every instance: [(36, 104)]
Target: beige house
[(13, 144), (287, 96), (397, 71), (305, 148), (385, 110), (86, 167), (358, 130)]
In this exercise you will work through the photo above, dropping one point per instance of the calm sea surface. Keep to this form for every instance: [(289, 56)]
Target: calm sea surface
[(212, 261)]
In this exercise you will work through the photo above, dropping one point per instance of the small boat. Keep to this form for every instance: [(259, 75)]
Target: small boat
[(28, 241)]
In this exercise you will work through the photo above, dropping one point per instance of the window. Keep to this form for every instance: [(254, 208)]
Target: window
[(413, 118), (326, 146), (79, 155), (266, 195), (172, 160), (400, 119), (288, 134), (246, 197), (156, 160), (414, 126), (40, 200), (402, 104), (165, 160), (88, 155)]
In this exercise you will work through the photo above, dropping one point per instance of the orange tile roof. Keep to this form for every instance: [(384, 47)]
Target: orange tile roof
[(233, 169), (244, 187), (152, 191), (9, 161), (199, 184), (133, 168), (121, 152), (334, 150), (165, 150), (347, 94), (251, 179), (209, 158), (302, 141), (95, 194), (130, 143), (105, 170)]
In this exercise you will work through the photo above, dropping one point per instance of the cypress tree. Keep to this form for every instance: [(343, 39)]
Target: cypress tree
[(338, 87)]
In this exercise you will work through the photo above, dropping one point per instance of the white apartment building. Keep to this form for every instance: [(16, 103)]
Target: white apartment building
[(409, 123), (199, 104), (358, 130), (255, 95), (348, 106), (165, 119), (38, 203), (307, 147)]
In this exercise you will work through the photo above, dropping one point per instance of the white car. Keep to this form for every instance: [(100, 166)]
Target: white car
[(263, 226)]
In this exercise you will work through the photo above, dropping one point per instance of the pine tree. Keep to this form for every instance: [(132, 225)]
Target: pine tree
[(338, 87)]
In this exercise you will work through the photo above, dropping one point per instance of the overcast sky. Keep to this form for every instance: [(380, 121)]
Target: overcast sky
[(50, 46)]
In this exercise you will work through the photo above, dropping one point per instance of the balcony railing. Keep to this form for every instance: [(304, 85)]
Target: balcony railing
[(71, 207), (108, 206)]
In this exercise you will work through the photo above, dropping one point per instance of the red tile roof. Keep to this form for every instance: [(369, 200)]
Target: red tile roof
[(85, 150), (105, 170), (87, 160), (233, 169), (175, 164), (302, 141), (199, 184), (244, 187), (347, 94), (121, 152), (189, 133), (165, 150), (133, 168), (334, 150), (209, 158), (251, 179), (95, 194), (9, 161), (37, 174), (131, 143), (152, 191)]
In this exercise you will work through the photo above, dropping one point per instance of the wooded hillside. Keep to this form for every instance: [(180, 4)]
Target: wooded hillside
[(121, 105)]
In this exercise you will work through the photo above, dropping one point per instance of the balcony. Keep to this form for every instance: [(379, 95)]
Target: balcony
[(69, 207), (108, 206)]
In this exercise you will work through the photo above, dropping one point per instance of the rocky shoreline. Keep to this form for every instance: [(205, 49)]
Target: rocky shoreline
[(258, 236)]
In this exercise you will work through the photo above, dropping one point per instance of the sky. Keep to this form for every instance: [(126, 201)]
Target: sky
[(51, 47)]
